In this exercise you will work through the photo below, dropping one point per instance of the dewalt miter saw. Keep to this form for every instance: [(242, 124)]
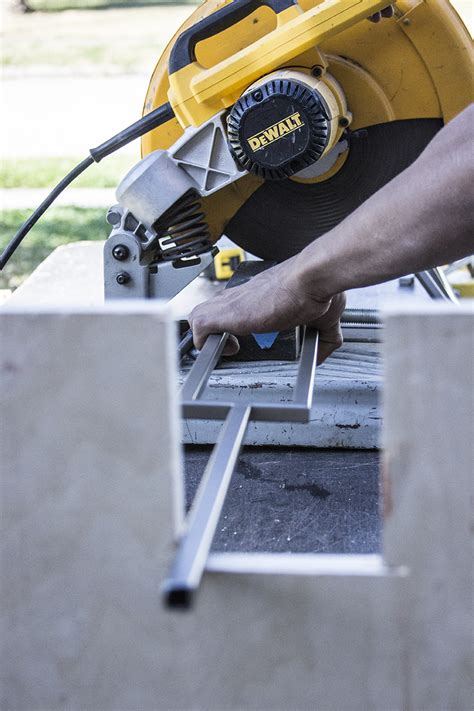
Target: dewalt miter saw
[(270, 121)]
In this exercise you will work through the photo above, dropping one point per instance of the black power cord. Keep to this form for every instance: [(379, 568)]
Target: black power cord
[(153, 119)]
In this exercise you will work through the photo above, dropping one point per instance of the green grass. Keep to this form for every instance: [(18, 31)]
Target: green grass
[(99, 40), (46, 172), (60, 226)]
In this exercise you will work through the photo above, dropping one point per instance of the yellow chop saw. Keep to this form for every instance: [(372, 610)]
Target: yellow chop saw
[(270, 121)]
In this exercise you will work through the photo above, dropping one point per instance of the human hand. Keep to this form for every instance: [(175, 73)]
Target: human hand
[(271, 301)]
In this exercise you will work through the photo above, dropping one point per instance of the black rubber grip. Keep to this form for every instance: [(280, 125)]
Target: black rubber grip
[(183, 52), (147, 123)]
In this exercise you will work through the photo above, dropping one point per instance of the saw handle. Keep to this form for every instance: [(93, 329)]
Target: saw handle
[(184, 49)]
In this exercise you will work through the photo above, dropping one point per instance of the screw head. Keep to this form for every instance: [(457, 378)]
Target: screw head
[(120, 252), (257, 95), (122, 278), (344, 122), (406, 21), (317, 70), (113, 217)]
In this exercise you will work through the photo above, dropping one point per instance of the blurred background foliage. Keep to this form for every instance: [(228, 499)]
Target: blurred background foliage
[(59, 226), (46, 172)]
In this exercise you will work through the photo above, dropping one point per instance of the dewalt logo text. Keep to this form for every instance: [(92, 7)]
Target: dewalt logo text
[(278, 130)]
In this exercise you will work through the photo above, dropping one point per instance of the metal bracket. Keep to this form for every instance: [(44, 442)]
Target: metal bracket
[(130, 271), (203, 153), (193, 549)]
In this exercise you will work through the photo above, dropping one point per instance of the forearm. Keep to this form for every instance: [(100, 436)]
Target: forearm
[(421, 219)]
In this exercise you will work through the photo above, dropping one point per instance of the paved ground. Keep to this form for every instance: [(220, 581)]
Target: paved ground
[(296, 500)]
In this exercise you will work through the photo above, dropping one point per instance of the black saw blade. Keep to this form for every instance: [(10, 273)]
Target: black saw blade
[(282, 217)]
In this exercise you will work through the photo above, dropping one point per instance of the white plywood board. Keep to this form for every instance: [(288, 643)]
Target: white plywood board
[(429, 463), (90, 454)]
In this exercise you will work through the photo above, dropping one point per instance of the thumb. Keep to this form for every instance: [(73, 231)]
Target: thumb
[(231, 347)]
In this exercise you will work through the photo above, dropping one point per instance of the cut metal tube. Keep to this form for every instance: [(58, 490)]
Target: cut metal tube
[(303, 392), (430, 285), (261, 412), (193, 550), (185, 344), (439, 276), (203, 367), (298, 410), (436, 285), (190, 560)]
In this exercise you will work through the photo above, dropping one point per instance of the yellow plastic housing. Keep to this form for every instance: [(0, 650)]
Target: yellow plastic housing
[(417, 64), (227, 261)]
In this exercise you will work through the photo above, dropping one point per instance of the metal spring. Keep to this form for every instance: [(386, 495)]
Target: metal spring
[(183, 231)]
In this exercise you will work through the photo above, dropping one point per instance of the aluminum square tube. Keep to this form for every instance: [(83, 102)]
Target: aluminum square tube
[(193, 550)]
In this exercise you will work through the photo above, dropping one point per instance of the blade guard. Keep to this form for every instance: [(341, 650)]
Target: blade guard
[(197, 93)]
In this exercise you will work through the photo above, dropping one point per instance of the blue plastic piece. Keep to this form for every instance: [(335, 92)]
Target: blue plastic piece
[(266, 340)]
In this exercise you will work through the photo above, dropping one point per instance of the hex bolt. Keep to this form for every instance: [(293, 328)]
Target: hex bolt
[(344, 122), (120, 252), (122, 278), (257, 95)]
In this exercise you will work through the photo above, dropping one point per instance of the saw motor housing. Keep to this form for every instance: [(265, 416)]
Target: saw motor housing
[(278, 106)]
